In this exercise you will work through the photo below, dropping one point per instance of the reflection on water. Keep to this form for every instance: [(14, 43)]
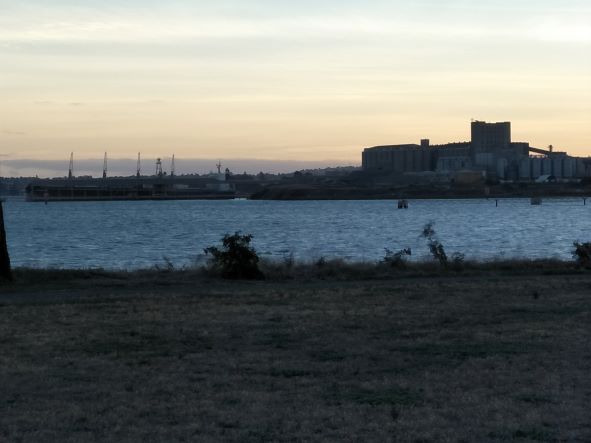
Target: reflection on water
[(140, 234)]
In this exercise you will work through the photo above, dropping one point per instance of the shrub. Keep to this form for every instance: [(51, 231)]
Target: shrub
[(397, 259), (438, 252), (236, 259), (582, 254), (289, 261), (435, 246), (168, 265), (457, 260)]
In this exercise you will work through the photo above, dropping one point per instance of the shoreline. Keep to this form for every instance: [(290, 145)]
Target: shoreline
[(281, 271), (304, 192), (338, 195)]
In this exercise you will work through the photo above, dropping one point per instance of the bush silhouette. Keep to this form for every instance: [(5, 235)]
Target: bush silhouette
[(435, 246), (397, 259), (236, 259), (582, 254)]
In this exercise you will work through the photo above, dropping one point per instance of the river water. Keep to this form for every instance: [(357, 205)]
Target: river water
[(130, 235)]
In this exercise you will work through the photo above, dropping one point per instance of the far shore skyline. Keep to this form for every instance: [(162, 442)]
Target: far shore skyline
[(12, 165), (127, 166)]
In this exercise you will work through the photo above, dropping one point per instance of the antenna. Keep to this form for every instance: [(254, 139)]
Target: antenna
[(219, 166), (71, 168), (159, 167), (139, 169), (172, 166), (105, 166)]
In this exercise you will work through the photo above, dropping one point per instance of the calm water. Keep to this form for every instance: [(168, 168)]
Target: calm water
[(143, 234)]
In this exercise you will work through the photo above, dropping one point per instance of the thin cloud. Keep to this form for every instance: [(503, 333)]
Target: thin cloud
[(552, 30), (174, 30), (34, 23), (305, 27)]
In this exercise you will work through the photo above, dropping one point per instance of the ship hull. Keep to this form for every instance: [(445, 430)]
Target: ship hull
[(81, 193)]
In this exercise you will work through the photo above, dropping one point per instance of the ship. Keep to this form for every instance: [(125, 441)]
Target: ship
[(112, 189), (156, 187)]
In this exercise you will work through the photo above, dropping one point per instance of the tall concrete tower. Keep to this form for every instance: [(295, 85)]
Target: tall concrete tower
[(488, 140), (488, 137)]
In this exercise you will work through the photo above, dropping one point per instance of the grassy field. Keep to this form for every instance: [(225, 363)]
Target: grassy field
[(497, 355)]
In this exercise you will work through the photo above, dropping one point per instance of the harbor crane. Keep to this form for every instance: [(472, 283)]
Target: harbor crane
[(159, 167)]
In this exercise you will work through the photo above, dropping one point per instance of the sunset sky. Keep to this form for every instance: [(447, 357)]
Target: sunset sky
[(286, 80)]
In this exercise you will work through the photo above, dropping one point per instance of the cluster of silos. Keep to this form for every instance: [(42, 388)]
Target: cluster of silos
[(453, 163), (558, 166)]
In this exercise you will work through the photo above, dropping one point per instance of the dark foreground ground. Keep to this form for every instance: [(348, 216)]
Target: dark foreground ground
[(489, 356)]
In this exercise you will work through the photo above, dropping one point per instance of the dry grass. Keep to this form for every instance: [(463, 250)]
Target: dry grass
[(494, 355), (337, 269)]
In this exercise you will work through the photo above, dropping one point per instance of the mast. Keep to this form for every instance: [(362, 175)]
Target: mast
[(172, 166), (105, 166), (71, 168), (139, 169)]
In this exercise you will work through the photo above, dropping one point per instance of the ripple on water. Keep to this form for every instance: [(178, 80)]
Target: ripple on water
[(142, 234)]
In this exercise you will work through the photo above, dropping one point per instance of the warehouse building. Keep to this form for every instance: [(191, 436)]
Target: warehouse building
[(490, 151)]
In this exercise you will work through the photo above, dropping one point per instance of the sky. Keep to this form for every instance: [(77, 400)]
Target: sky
[(287, 81)]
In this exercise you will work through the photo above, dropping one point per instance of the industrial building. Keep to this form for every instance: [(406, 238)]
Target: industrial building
[(490, 151)]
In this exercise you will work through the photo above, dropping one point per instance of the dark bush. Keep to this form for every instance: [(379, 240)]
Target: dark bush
[(236, 259), (436, 248), (397, 259), (582, 254), (458, 260)]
